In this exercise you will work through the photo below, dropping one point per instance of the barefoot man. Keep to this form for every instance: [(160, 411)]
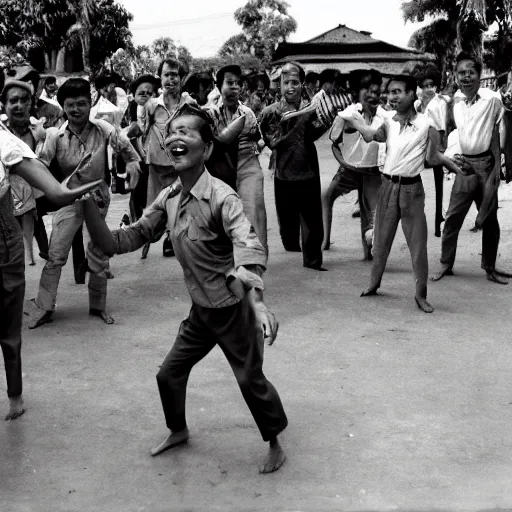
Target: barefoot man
[(410, 139), (221, 258), (477, 113), (64, 149)]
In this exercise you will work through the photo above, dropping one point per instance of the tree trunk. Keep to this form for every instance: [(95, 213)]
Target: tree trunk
[(85, 39), (60, 61), (48, 60)]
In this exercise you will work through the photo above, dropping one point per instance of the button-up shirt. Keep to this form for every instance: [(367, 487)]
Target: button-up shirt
[(356, 151), (477, 120), (152, 118), (250, 133), (436, 110), (210, 235), (293, 141), (69, 148), (406, 147)]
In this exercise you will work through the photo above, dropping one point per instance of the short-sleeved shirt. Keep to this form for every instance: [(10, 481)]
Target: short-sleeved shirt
[(69, 148), (407, 147), (250, 133), (436, 110), (477, 120), (210, 235)]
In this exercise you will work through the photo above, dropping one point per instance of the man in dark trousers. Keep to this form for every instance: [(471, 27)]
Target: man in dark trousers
[(477, 113), (222, 260), (297, 176)]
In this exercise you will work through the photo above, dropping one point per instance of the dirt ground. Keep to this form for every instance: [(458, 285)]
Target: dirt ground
[(389, 408)]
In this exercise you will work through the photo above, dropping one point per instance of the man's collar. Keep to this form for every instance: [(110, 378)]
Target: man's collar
[(409, 121), (202, 188), (481, 94)]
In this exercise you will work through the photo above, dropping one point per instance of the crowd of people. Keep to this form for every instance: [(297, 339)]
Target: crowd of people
[(185, 146)]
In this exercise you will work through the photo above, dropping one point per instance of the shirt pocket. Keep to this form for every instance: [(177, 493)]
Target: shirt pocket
[(198, 232)]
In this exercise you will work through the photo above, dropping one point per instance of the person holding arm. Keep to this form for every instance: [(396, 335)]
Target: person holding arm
[(222, 261), (290, 129), (410, 140), (16, 158)]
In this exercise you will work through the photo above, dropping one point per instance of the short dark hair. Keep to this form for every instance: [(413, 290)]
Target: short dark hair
[(469, 56), (172, 63), (302, 73), (144, 79), (49, 80), (363, 78), (429, 72), (205, 129), (231, 68), (73, 88), (11, 84), (408, 80), (311, 76), (328, 75)]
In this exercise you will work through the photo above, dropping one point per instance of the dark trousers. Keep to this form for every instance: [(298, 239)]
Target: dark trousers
[(39, 228), (12, 293), (235, 330), (482, 188), (406, 203), (299, 214), (367, 182), (78, 251), (139, 194), (438, 182)]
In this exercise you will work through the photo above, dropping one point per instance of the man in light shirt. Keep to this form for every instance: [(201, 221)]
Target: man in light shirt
[(410, 140), (357, 158), (477, 113)]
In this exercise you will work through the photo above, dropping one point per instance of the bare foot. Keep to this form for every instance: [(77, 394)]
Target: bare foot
[(37, 316), (369, 292), (494, 277), (326, 245), (32, 263), (174, 439), (15, 408), (102, 314), (424, 305), (274, 459), (445, 271)]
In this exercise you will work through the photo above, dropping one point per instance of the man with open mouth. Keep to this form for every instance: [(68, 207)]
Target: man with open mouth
[(222, 261), (411, 140), (477, 113)]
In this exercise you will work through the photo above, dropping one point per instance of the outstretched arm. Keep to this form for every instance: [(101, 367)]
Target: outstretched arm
[(35, 173)]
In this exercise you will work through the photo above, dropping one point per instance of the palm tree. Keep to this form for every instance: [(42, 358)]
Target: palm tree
[(82, 9)]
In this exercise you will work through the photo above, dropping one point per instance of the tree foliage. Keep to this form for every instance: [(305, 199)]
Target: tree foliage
[(457, 25), (265, 24), (99, 26), (166, 47)]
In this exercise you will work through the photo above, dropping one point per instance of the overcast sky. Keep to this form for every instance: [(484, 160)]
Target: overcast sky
[(203, 25)]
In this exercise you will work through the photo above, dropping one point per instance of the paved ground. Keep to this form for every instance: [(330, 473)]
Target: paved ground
[(389, 408)]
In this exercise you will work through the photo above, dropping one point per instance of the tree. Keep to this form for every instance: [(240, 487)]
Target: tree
[(235, 46), (458, 25), (50, 25), (109, 32), (166, 47), (265, 24)]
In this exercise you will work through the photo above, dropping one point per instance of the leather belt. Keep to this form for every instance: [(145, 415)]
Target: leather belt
[(403, 180), (480, 155)]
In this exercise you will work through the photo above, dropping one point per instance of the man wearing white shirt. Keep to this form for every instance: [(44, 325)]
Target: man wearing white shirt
[(410, 140), (477, 113), (358, 159)]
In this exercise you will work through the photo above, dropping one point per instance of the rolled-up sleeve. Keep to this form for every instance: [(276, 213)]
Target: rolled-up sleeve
[(247, 249), (13, 150)]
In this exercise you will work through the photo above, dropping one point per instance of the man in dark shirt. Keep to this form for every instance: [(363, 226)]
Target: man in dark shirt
[(221, 258), (297, 178)]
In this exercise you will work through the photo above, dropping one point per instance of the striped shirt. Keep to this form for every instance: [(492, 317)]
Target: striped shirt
[(328, 105)]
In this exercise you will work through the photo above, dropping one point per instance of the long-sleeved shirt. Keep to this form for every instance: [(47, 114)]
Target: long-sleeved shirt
[(293, 141), (210, 235), (69, 148), (477, 120), (152, 118)]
